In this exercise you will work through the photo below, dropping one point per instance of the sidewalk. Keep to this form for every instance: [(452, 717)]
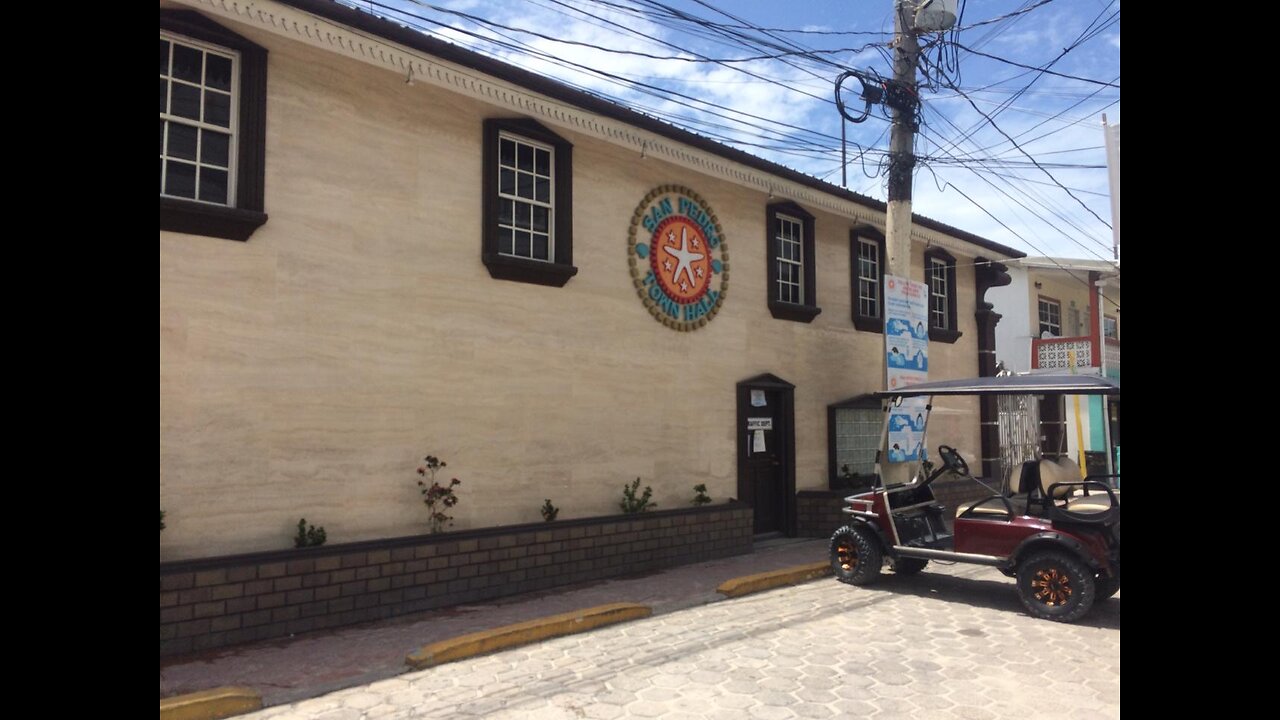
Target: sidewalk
[(289, 670)]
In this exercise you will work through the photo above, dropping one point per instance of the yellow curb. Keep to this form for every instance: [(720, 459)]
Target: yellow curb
[(210, 704), (748, 584), (509, 636)]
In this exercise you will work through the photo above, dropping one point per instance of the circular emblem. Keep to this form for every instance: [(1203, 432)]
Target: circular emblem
[(678, 257)]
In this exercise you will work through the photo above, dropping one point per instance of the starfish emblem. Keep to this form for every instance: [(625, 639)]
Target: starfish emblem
[(683, 257), (699, 271), (696, 243), (667, 264), (684, 286)]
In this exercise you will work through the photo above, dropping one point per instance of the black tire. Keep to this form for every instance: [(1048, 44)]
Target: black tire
[(856, 557), (1055, 585), (906, 566), (1107, 587)]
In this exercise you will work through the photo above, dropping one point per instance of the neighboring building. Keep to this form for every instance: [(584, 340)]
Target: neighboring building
[(377, 246), (1050, 322)]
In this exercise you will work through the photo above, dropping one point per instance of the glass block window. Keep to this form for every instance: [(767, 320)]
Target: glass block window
[(198, 88), (526, 177), (857, 438)]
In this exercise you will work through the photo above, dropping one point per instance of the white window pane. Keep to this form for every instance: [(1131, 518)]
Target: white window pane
[(215, 148), (213, 185), (507, 152), (217, 108), (180, 179), (217, 72), (182, 141), (187, 63), (185, 101)]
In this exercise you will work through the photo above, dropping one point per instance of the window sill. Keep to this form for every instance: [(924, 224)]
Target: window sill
[(791, 311), (868, 324), (944, 336), (186, 216), (505, 267)]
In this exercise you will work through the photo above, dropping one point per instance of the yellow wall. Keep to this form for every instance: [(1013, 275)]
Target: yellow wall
[(308, 371), (1066, 288)]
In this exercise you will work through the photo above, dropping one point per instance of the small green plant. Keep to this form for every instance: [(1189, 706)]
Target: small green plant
[(701, 498), (309, 535), (161, 521), (437, 497), (631, 504), (549, 511)]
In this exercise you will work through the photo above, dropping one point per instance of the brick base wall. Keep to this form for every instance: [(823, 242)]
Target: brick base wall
[(818, 512), (215, 602)]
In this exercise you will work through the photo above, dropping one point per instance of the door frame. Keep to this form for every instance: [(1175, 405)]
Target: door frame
[(785, 418)]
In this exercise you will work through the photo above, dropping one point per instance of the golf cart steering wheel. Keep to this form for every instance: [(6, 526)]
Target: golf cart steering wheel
[(952, 461)]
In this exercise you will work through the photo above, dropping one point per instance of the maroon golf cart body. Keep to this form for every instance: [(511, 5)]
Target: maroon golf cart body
[(1057, 533)]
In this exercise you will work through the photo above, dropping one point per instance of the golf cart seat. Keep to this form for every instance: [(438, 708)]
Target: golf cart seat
[(1095, 503), (1001, 506), (1060, 481)]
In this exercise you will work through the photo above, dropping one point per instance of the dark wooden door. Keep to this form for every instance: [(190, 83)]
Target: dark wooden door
[(766, 462)]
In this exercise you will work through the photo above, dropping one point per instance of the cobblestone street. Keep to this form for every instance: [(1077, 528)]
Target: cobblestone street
[(952, 642)]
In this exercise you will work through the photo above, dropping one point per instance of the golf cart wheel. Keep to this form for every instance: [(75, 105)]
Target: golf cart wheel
[(855, 555), (908, 566), (1107, 587), (1054, 585)]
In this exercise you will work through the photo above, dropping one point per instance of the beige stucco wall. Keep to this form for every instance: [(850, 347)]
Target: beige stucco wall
[(307, 371)]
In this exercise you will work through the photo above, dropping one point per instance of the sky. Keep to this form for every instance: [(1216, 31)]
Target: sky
[(1006, 151)]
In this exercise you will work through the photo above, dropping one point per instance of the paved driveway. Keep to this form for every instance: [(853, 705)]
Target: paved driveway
[(951, 642)]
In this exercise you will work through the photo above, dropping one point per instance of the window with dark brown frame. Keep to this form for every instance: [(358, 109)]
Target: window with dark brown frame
[(528, 203), (213, 116), (866, 263), (940, 276), (792, 283)]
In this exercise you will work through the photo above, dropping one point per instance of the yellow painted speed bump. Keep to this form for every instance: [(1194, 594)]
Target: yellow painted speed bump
[(210, 704), (510, 636), (748, 584)]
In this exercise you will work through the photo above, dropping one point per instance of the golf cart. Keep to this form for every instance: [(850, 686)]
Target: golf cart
[(1057, 533)]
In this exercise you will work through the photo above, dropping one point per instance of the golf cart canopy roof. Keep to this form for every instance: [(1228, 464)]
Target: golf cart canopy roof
[(1011, 385)]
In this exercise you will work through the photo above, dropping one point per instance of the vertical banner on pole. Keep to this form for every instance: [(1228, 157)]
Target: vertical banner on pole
[(906, 345)]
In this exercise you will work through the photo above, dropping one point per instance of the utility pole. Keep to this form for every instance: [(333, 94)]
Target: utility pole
[(902, 159)]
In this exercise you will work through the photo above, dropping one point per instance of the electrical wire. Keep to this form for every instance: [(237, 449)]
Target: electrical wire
[(771, 45), (1038, 69)]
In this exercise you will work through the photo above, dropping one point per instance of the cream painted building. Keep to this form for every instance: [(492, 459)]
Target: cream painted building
[(342, 292)]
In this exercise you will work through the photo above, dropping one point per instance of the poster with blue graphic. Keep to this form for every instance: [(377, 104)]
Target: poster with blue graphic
[(906, 349)]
